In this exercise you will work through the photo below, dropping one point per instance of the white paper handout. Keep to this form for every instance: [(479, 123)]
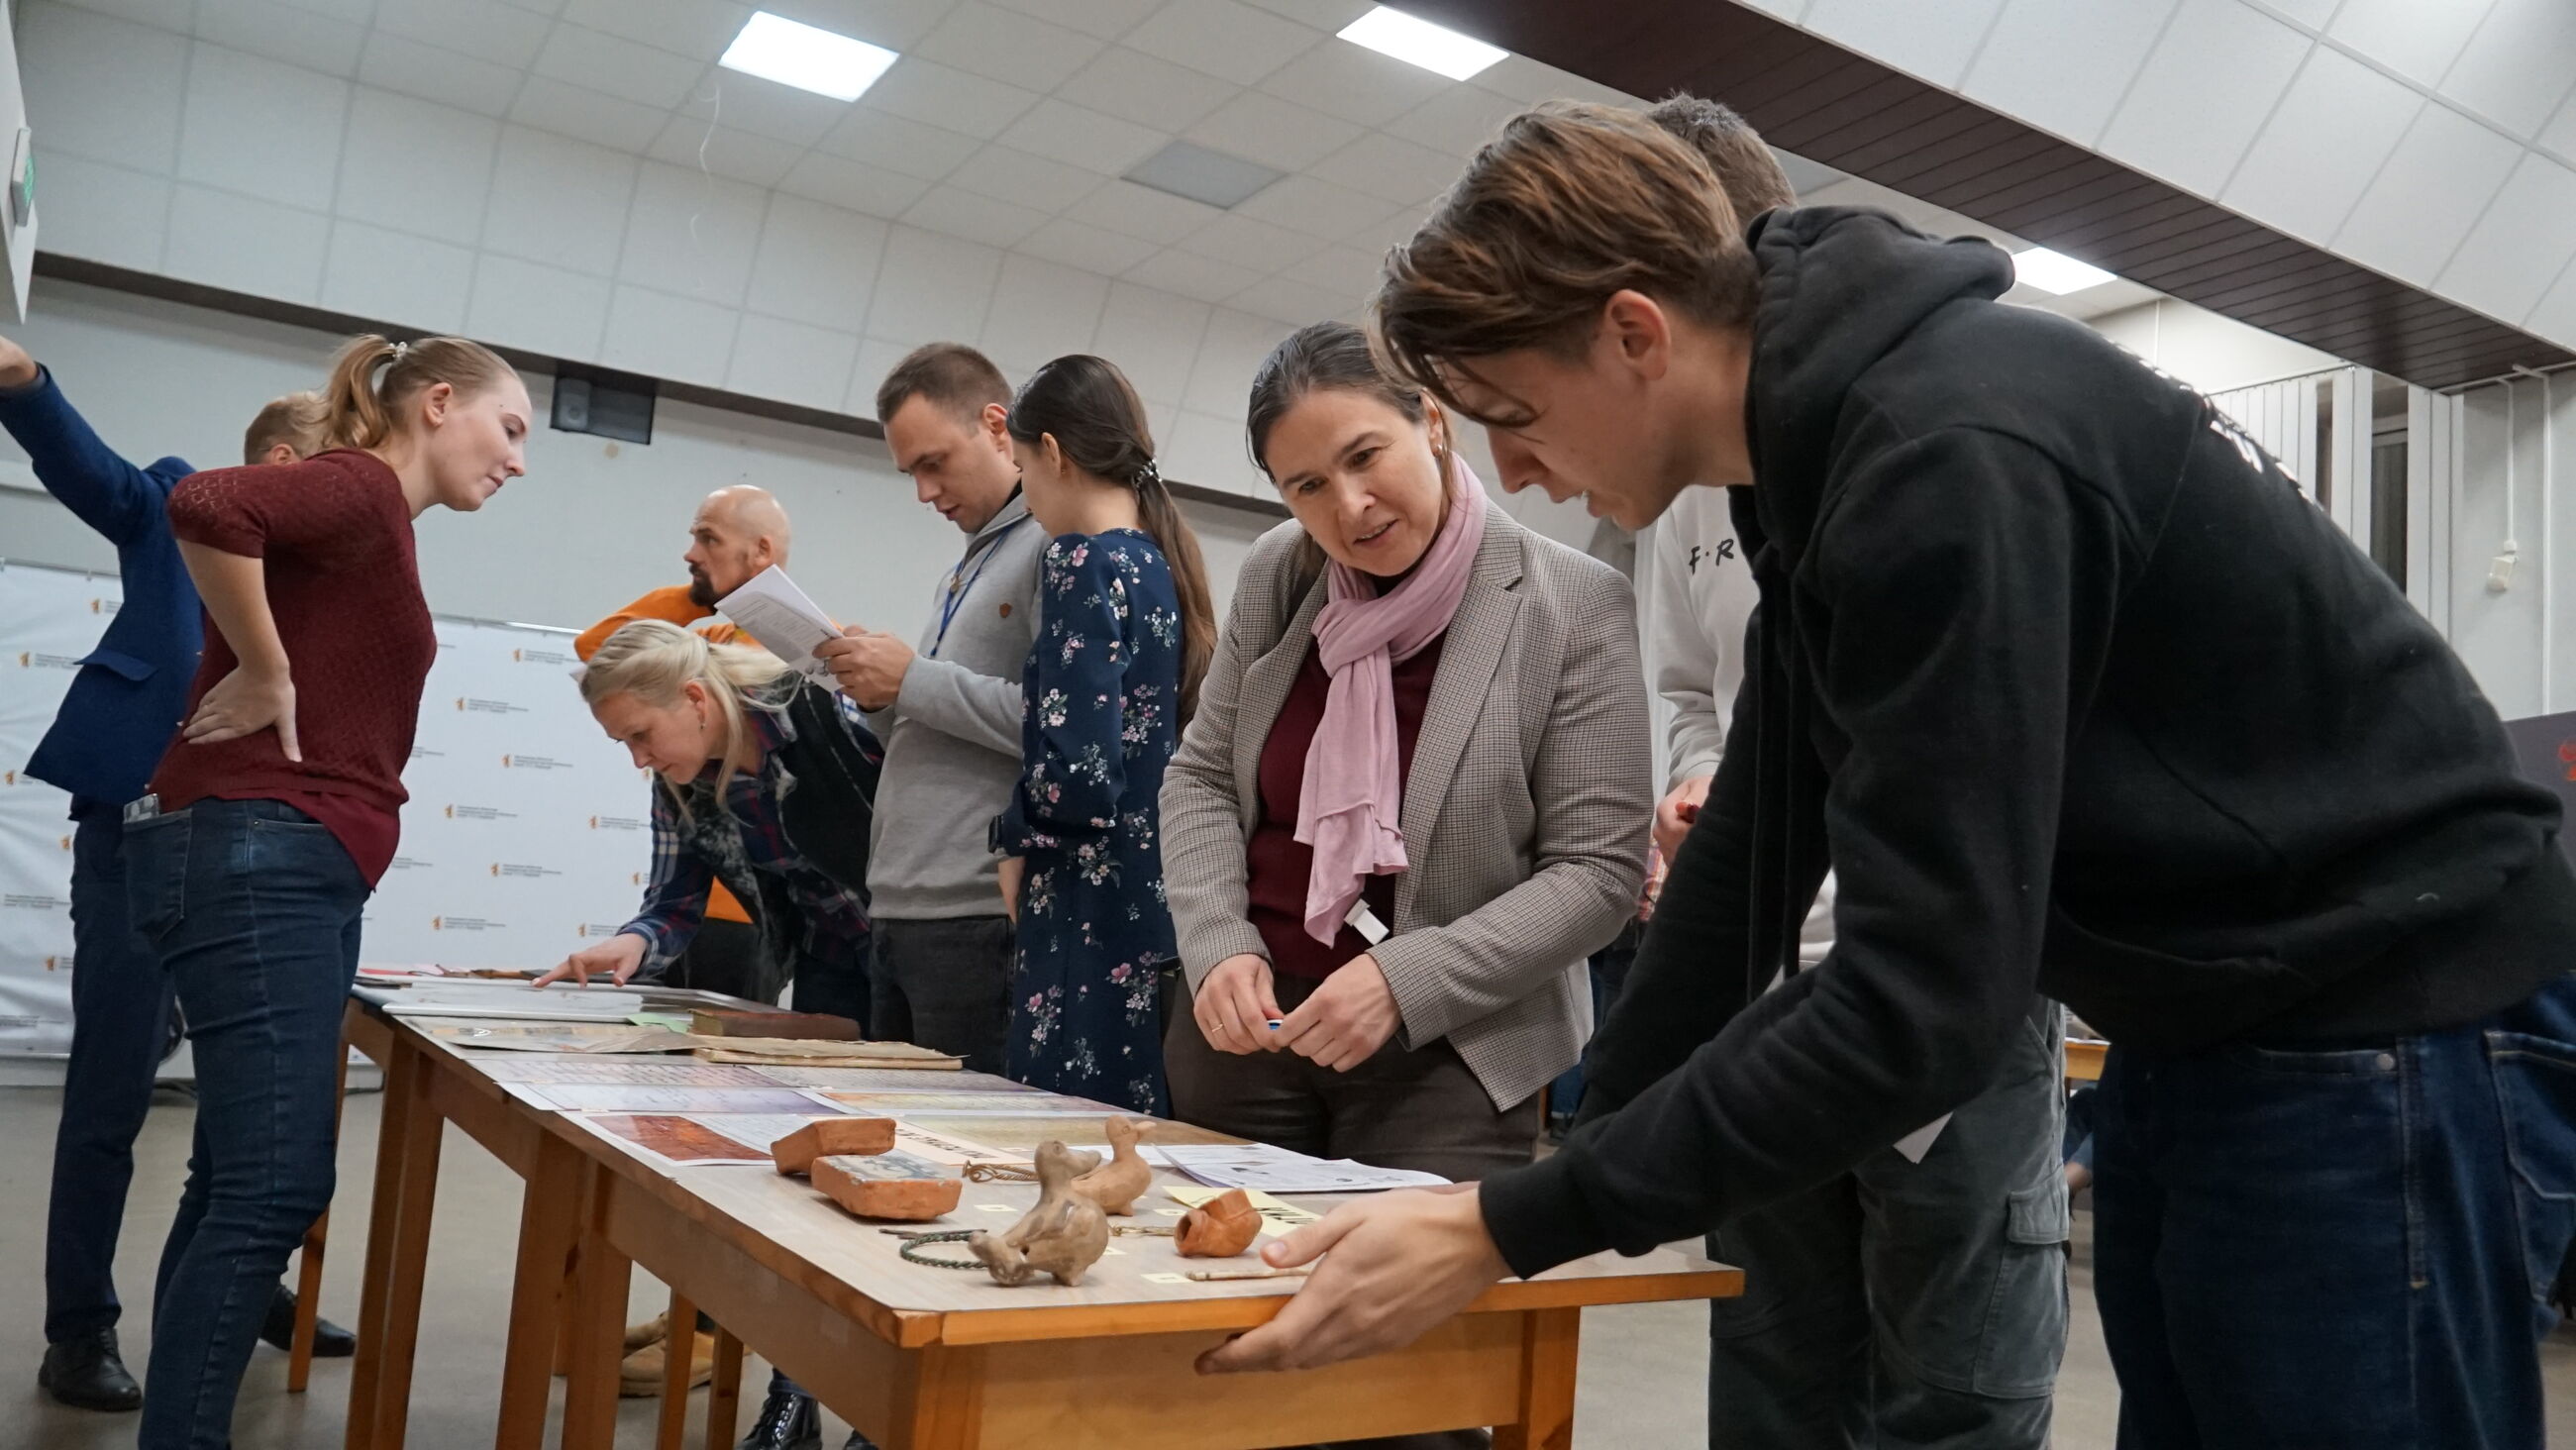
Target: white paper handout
[(1279, 1170), (771, 609), (514, 1001), (584, 1097)]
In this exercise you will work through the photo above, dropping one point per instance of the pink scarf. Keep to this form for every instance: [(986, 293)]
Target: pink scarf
[(1352, 804)]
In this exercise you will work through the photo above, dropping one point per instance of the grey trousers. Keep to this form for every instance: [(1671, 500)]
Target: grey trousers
[(1908, 1304), (944, 984)]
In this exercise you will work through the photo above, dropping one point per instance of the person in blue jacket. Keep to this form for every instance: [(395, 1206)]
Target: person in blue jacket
[(114, 723)]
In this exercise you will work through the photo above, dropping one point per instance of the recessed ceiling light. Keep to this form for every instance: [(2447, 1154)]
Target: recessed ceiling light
[(2055, 272), (1186, 169), (792, 53), (1432, 47)]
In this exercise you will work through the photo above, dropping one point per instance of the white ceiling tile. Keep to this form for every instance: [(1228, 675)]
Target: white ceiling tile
[(1293, 301), (554, 105), (2422, 203), (1328, 16), (853, 184), (698, 29), (1530, 82), (1389, 168), (976, 218), (816, 262), (1140, 211), (877, 357), (1007, 46), (416, 166), (1134, 86), (356, 12), (546, 310), (891, 143), (1233, 348), (1079, 244), (690, 144), (2337, 124), (1458, 120), (2311, 13), (541, 7), (101, 88), (2519, 247), (1346, 270), (484, 29), (1276, 133), (1223, 38), (1318, 208), (661, 336), (1395, 231), (1107, 19), (1031, 181), (558, 201), (2202, 93), (392, 276), (109, 214), (241, 244), (2560, 136), (691, 233), (165, 14), (898, 25), (2416, 39), (1931, 41), (1153, 337), (792, 362), (1084, 138), (262, 128), (2555, 317), (1355, 83), (415, 69), (619, 67), (2519, 65), (765, 108), (1247, 243), (1192, 275), (282, 32), (1209, 452), (932, 287), (922, 90), (1043, 311)]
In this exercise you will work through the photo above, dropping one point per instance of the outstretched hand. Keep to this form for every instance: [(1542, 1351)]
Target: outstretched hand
[(1400, 1264), (616, 958)]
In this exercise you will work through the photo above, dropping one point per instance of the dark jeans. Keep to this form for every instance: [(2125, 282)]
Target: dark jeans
[(1907, 1304), (254, 911), (945, 985), (834, 985), (2347, 1248), (120, 1024), (725, 957)]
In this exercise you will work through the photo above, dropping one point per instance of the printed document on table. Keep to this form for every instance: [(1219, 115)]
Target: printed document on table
[(1279, 1170), (788, 624), (665, 1098)]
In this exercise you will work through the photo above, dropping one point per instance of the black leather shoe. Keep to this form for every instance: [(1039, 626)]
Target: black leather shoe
[(87, 1374), (787, 1422), (858, 1441), (330, 1341)]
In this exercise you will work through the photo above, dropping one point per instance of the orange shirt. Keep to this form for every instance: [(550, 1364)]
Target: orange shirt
[(674, 605)]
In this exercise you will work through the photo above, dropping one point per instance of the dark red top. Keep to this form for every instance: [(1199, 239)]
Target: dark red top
[(344, 586), (1277, 863)]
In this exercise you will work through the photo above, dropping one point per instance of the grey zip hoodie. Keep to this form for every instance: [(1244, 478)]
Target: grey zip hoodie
[(952, 735)]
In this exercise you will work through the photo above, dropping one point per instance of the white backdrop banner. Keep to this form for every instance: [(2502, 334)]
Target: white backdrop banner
[(527, 830)]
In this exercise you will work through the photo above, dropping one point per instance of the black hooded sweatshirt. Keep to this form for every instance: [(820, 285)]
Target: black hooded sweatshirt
[(2078, 695)]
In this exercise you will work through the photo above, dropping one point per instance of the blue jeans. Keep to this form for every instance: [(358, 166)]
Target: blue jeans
[(2347, 1248), (120, 1024), (254, 909)]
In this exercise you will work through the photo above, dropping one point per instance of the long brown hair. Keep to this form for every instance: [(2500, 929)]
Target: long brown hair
[(1095, 417), (359, 407)]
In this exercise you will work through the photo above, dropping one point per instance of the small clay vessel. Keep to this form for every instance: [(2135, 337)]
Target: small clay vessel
[(1118, 1183), (1064, 1235), (831, 1137), (1220, 1228)]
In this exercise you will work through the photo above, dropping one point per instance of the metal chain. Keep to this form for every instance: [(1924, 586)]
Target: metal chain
[(916, 1241)]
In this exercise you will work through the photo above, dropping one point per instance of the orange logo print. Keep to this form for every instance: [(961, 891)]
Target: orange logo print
[(438, 923), (505, 762), (93, 606), (460, 702), (22, 659), (496, 868), (50, 961), (8, 777), (514, 657), (594, 823)]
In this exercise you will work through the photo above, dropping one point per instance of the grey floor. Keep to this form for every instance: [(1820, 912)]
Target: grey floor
[(1640, 1387)]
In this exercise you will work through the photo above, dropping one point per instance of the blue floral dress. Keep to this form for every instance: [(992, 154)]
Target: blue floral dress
[(1102, 719)]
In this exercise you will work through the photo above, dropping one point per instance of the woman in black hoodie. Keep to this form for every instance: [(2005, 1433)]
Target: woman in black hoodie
[(2074, 691)]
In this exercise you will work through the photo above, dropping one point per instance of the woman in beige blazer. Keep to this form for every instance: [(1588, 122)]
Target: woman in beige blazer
[(1476, 790)]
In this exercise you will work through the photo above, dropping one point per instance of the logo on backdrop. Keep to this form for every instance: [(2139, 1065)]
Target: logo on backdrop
[(524, 872), (524, 655), (466, 923), (617, 823), (38, 660), (480, 813), (516, 761), (473, 706)]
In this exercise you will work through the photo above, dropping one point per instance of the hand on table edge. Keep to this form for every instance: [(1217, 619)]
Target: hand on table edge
[(1401, 1263)]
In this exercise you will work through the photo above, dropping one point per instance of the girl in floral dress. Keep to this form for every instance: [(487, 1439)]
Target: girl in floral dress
[(1114, 673)]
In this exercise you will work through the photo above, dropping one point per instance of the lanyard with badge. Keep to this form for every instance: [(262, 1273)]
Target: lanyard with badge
[(961, 583)]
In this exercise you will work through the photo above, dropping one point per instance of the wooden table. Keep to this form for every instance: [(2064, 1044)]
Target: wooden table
[(2084, 1059), (918, 1358)]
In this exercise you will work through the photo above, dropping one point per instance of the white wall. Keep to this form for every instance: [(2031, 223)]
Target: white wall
[(2214, 354), (594, 523), (2492, 465)]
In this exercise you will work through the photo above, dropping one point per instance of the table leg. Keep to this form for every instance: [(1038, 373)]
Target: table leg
[(679, 1355), (422, 1132), (402, 1070), (1550, 1341), (599, 1327), (942, 1408), (308, 1279), (549, 1228), (724, 1393)]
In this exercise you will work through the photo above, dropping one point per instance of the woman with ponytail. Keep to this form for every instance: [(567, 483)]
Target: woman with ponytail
[(1124, 638), (275, 811)]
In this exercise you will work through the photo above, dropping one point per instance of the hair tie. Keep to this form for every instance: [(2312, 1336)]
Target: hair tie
[(1148, 475), (401, 351)]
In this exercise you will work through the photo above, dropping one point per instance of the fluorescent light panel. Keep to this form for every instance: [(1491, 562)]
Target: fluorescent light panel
[(1419, 42), (2055, 272), (792, 53)]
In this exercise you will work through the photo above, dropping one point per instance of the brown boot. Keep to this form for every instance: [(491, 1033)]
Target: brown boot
[(651, 1331), (641, 1373)]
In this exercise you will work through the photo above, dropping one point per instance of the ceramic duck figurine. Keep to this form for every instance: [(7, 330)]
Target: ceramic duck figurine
[(1118, 1183), (1064, 1235)]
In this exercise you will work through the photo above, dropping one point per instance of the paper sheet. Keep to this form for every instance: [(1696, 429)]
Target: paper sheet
[(967, 1103), (653, 1098), (788, 624), (877, 1079), (947, 1148), (613, 1072), (1278, 1170), (592, 1038)]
